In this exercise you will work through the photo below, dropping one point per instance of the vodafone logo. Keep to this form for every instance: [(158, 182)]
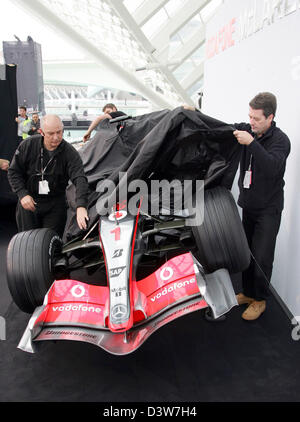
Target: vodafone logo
[(81, 307), (77, 291), (118, 215), (166, 273), (172, 288)]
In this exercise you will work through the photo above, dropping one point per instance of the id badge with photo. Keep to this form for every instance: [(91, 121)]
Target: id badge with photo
[(247, 179), (43, 187)]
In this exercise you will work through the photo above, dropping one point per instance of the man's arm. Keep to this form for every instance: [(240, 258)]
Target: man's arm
[(77, 176), (270, 159), (33, 129), (94, 124), (17, 172), (16, 176)]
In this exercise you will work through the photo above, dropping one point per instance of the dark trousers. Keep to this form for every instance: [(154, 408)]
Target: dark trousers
[(261, 231), (50, 213)]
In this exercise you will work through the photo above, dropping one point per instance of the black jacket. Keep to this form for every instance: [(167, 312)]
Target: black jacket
[(269, 154), (65, 164), (37, 126)]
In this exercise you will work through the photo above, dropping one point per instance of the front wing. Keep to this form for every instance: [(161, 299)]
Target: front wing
[(73, 310)]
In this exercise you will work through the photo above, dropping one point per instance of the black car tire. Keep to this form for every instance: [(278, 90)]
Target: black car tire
[(221, 240), (30, 272)]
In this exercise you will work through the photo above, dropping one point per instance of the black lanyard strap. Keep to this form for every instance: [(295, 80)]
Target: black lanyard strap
[(43, 169)]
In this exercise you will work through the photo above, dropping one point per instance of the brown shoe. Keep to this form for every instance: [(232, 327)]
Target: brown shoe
[(242, 299), (254, 310)]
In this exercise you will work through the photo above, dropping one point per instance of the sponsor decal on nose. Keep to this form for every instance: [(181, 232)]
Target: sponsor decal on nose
[(77, 291)]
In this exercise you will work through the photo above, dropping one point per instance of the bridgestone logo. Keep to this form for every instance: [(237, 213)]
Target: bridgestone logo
[(172, 288), (73, 333), (70, 308)]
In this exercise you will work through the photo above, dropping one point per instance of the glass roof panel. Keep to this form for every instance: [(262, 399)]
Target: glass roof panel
[(173, 6), (198, 56), (184, 69), (188, 30), (196, 87), (133, 5), (208, 11), (102, 24), (154, 23)]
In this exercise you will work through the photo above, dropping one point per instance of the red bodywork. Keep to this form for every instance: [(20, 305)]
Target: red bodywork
[(73, 303), (74, 310)]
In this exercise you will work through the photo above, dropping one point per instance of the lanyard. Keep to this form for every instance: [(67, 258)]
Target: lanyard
[(250, 164), (42, 163)]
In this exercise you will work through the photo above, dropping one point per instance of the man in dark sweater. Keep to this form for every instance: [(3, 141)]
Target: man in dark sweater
[(39, 174), (109, 112), (265, 149)]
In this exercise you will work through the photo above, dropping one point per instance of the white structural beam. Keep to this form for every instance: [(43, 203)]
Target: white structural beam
[(147, 10), (193, 77), (161, 40), (131, 25), (83, 73), (144, 42), (50, 18)]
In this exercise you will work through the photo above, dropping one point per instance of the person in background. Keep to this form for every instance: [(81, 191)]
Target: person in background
[(34, 125), (264, 151), (23, 123), (109, 112), (39, 174)]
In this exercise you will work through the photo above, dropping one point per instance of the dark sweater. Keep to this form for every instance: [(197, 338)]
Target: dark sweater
[(269, 153), (24, 172)]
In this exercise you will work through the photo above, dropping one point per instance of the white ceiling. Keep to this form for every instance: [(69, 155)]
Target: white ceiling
[(154, 47)]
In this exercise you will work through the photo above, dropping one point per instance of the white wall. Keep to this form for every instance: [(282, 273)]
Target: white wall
[(265, 58)]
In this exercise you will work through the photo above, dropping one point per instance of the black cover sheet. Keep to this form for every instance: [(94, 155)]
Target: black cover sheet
[(180, 144), (8, 126)]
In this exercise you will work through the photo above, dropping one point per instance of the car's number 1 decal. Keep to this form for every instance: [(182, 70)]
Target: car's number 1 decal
[(117, 232)]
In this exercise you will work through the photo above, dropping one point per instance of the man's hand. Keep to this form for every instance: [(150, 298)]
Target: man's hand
[(28, 203), (243, 137), (4, 164), (82, 218), (86, 136), (188, 107)]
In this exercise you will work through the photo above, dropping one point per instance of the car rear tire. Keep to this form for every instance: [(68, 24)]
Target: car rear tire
[(221, 240), (30, 271)]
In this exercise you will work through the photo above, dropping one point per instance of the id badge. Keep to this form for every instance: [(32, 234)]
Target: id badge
[(247, 179), (43, 187)]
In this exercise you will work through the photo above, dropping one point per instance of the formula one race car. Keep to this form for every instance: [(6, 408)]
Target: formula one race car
[(153, 268)]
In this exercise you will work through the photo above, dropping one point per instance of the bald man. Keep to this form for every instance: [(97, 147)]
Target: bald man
[(39, 174)]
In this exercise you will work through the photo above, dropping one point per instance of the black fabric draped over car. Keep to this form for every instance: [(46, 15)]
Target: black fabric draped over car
[(181, 144)]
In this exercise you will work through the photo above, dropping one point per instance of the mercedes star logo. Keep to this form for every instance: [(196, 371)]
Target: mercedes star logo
[(119, 312)]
